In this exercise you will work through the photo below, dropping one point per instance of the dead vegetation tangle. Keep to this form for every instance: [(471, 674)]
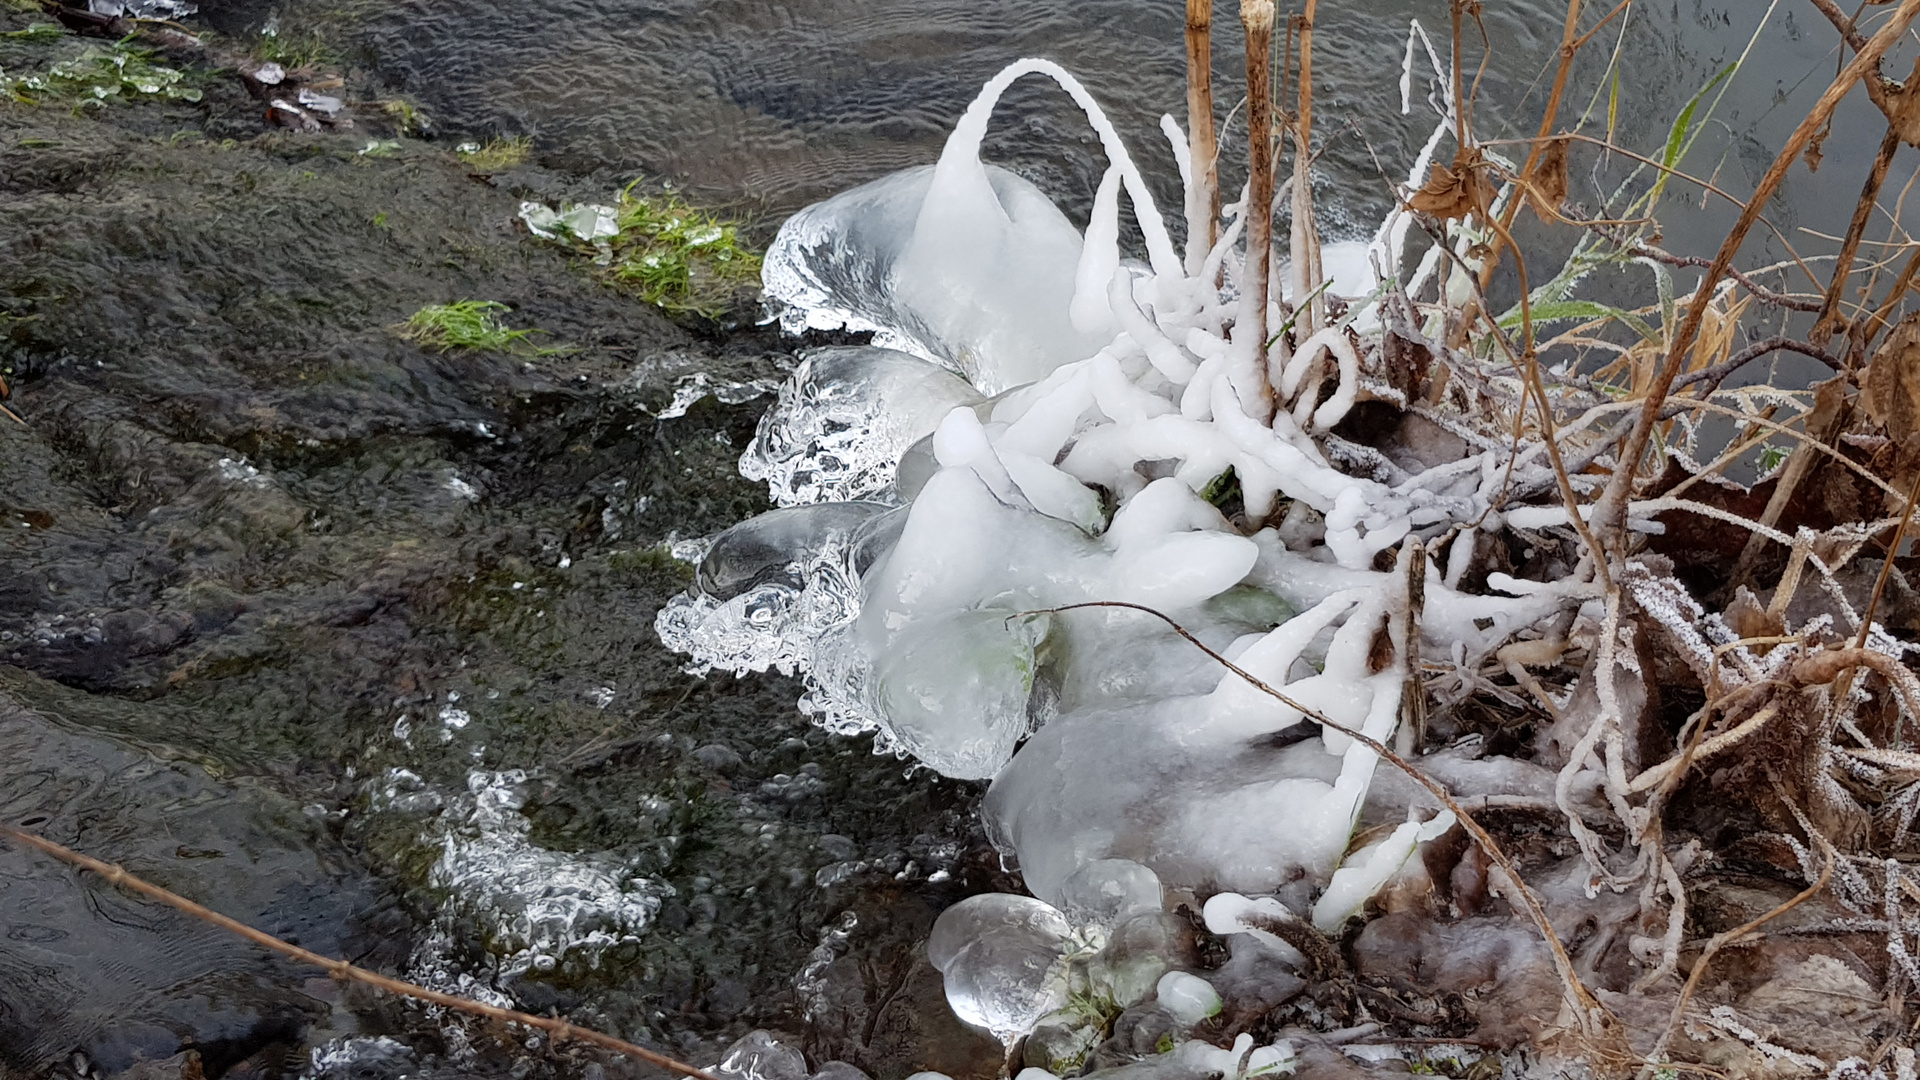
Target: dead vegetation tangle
[(1728, 851)]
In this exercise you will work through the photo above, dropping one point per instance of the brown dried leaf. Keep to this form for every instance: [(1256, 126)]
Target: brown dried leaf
[(1547, 182), (1890, 388), (1905, 115), (1456, 191), (1750, 618)]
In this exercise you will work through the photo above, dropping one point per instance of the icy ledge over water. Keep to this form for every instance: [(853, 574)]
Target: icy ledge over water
[(1043, 424)]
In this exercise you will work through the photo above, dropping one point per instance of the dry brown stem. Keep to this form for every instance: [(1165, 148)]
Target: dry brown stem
[(1864, 330), (1570, 41), (1257, 17), (1610, 512), (1412, 732), (1830, 319), (1305, 222), (1715, 375), (340, 969), (1203, 209), (1529, 362), (1886, 566)]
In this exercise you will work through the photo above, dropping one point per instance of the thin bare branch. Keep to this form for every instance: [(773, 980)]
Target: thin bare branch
[(1717, 374), (340, 969), (1830, 319)]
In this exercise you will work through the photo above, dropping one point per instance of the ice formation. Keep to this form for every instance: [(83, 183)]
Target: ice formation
[(535, 909), (1043, 423)]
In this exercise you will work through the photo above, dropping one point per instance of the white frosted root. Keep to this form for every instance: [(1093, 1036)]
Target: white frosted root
[(1369, 869)]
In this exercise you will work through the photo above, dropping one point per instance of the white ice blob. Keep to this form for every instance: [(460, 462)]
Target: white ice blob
[(1189, 999)]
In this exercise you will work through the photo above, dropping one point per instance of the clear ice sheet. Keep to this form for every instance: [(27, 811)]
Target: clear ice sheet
[(844, 420), (981, 286)]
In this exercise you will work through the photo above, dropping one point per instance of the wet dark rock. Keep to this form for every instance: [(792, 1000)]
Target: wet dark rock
[(254, 538), (876, 1003), (182, 1066), (121, 979), (1138, 1033), (721, 759)]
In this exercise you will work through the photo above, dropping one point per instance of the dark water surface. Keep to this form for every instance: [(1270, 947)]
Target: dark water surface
[(354, 640), (780, 104)]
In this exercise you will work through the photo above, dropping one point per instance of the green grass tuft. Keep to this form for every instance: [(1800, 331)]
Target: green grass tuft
[(670, 254), (99, 76), (680, 258), (466, 324), (293, 51), (409, 118), (496, 154), (40, 31)]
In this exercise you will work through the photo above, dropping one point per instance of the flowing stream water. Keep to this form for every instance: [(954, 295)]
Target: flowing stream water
[(355, 641)]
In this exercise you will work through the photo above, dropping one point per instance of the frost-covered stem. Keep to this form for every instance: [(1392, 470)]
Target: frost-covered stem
[(1609, 515), (1257, 17), (1203, 196)]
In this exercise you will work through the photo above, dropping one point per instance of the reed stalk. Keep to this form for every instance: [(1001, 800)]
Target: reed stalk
[(1306, 225), (1203, 196), (1257, 17)]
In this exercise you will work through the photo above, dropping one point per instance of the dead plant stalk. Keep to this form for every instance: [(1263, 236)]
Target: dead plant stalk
[(1257, 17), (1570, 40), (1203, 200)]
